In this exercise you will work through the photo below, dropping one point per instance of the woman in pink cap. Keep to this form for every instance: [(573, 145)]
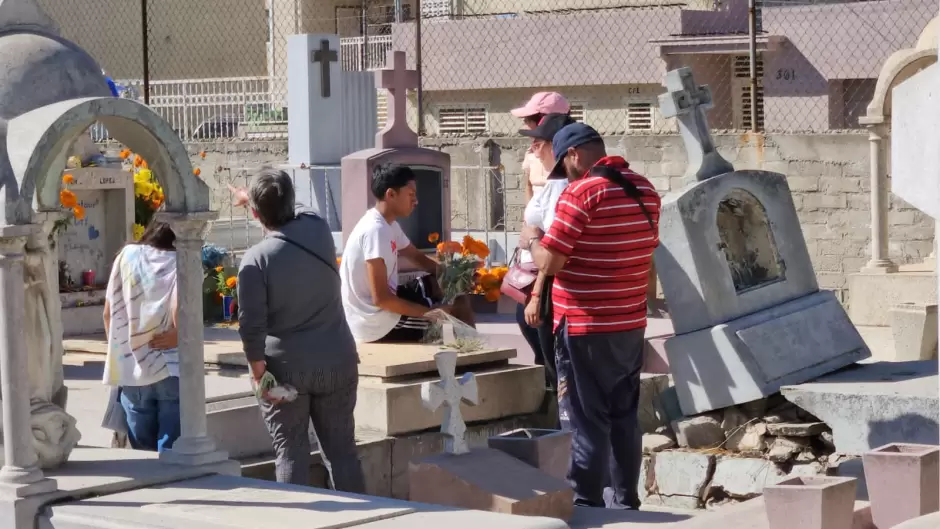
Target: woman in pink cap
[(535, 165)]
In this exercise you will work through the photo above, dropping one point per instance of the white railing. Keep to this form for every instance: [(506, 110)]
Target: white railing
[(236, 108), (370, 52)]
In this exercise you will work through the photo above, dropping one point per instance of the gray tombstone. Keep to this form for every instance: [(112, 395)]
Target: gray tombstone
[(742, 293)]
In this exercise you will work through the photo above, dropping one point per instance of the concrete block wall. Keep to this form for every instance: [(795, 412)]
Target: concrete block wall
[(828, 176)]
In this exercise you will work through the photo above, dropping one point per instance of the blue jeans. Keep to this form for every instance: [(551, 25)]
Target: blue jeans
[(153, 414), (598, 394)]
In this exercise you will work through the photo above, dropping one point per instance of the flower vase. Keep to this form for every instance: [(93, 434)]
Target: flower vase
[(902, 482), (227, 305), (817, 502)]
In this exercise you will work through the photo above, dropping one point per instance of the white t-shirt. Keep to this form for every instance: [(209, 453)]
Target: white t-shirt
[(372, 238), (540, 211)]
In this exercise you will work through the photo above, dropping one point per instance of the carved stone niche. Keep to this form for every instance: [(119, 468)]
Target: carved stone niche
[(747, 242), (731, 246)]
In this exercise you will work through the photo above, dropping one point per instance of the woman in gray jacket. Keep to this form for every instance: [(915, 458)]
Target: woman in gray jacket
[(292, 325)]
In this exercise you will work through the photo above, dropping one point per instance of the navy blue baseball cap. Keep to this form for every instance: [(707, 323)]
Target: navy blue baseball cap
[(569, 137)]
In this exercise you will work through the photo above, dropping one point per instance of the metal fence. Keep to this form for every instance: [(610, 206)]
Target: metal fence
[(217, 69)]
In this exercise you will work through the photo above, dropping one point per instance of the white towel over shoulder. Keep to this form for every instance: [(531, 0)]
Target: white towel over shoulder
[(140, 291)]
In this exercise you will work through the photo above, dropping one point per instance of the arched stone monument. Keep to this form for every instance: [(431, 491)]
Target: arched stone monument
[(50, 92)]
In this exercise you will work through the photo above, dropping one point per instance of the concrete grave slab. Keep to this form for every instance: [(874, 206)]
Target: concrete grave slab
[(217, 502), (753, 356), (395, 360), (752, 514), (870, 405), (491, 480), (394, 407), (465, 519)]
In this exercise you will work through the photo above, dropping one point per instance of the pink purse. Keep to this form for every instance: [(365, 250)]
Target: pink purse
[(518, 282)]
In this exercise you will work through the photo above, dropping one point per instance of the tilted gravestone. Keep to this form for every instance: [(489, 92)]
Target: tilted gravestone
[(742, 293)]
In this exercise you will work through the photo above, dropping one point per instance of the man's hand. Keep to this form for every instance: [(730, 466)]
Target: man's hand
[(165, 340), (239, 196), (532, 318), (433, 315)]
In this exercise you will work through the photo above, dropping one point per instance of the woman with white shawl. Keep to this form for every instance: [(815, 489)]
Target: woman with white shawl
[(140, 323)]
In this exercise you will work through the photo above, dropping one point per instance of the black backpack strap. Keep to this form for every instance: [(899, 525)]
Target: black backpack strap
[(307, 250), (615, 176)]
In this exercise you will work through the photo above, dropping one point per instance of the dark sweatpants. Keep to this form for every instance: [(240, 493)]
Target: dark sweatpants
[(599, 388), (326, 398)]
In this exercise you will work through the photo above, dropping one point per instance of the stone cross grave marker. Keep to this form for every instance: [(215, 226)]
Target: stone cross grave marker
[(449, 392), (397, 79), (324, 56), (687, 102)]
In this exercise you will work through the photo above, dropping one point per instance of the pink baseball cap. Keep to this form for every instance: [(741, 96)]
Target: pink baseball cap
[(543, 103)]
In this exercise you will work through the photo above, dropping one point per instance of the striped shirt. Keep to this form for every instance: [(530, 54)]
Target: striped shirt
[(609, 244)]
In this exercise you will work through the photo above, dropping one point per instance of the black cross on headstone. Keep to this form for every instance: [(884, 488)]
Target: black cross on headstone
[(324, 56)]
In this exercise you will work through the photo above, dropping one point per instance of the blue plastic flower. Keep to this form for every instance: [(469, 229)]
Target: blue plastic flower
[(212, 256)]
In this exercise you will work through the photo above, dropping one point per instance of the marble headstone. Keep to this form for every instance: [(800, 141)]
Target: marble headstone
[(742, 293), (397, 144)]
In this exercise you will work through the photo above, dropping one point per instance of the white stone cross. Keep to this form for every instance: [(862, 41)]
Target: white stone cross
[(324, 56), (687, 102), (449, 392), (397, 79)]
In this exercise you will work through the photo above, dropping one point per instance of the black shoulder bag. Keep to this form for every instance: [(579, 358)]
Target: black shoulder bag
[(615, 176), (308, 250)]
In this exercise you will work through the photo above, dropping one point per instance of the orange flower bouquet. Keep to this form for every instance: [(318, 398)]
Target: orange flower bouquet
[(459, 265), (489, 281)]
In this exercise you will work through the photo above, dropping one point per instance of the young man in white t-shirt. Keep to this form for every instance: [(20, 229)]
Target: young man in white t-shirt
[(377, 308)]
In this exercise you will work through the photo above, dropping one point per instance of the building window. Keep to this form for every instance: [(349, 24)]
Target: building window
[(577, 112), (639, 116), (741, 92), (467, 119)]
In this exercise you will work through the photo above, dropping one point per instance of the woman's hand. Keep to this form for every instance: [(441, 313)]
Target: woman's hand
[(532, 318), (239, 196), (165, 340)]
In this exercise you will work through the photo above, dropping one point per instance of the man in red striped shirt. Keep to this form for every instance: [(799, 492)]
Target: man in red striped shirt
[(600, 249)]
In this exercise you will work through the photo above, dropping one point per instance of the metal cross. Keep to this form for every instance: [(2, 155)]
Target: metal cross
[(449, 392), (397, 79), (687, 102), (324, 56)]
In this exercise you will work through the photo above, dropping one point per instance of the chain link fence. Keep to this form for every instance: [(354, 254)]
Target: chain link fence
[(217, 69)]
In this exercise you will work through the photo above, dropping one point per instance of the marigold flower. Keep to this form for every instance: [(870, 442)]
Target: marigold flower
[(501, 272), (67, 199), (219, 269), (143, 163), (231, 282), (125, 154), (202, 155), (492, 295), (138, 231), (448, 247), (67, 179), (489, 281), (138, 161), (434, 237), (78, 212), (197, 171)]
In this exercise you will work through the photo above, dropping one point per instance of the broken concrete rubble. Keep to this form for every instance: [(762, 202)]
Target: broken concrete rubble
[(743, 478)]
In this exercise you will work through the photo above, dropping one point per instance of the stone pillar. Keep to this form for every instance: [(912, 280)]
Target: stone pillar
[(194, 447), (20, 473), (879, 262)]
